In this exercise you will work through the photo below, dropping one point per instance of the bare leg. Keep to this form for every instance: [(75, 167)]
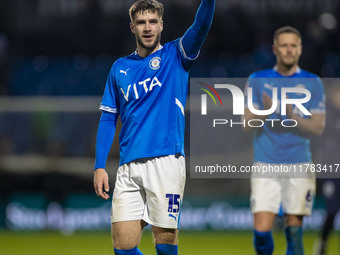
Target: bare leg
[(127, 234), (263, 221), (263, 240), (294, 235), (293, 220), (165, 235)]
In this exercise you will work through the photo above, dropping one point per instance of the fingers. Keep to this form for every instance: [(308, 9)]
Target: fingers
[(106, 185), (101, 182), (289, 110), (267, 100)]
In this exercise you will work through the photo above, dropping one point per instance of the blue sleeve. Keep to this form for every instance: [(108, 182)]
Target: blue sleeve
[(105, 135), (194, 37), (110, 101), (252, 82), (318, 100)]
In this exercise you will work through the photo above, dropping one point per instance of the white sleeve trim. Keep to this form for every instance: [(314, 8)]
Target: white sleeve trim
[(179, 104), (317, 111), (108, 109), (183, 51)]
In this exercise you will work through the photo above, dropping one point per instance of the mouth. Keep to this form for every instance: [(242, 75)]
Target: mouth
[(148, 37), (288, 57)]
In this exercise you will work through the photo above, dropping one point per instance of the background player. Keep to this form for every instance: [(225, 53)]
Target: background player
[(327, 153), (279, 145), (148, 90)]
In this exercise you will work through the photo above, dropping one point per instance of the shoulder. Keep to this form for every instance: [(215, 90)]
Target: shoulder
[(125, 59), (172, 49), (313, 79), (306, 74), (122, 62), (172, 45), (262, 74)]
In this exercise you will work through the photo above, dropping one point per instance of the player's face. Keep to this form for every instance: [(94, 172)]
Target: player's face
[(287, 49), (147, 28)]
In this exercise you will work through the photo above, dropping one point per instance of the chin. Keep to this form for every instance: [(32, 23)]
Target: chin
[(288, 66), (147, 46), (289, 63), (150, 46)]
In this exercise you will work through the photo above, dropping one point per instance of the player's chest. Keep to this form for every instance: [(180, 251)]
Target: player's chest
[(139, 80), (285, 88)]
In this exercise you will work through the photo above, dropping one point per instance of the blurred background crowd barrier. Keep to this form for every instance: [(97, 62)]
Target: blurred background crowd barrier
[(55, 56)]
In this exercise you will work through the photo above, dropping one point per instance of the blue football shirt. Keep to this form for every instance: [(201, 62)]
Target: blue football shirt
[(149, 94), (278, 144)]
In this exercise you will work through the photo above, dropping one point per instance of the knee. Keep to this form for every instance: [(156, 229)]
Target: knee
[(293, 220), (165, 236), (263, 222), (126, 235)]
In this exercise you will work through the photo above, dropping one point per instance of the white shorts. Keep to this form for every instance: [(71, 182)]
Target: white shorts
[(296, 195), (151, 191)]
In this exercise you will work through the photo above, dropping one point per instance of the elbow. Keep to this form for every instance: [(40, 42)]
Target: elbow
[(205, 27), (319, 130), (246, 128)]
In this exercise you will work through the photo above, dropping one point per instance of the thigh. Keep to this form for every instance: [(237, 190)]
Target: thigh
[(265, 195), (298, 196), (164, 183), (127, 234), (128, 200)]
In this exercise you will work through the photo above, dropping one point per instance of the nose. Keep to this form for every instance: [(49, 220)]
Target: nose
[(147, 26), (289, 48)]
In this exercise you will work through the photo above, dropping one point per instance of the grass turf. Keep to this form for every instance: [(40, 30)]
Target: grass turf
[(99, 243)]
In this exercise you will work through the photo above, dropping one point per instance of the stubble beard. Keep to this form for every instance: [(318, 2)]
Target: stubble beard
[(289, 64), (147, 47)]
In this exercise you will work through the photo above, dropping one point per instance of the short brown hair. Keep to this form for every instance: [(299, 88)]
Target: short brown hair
[(286, 29), (142, 6)]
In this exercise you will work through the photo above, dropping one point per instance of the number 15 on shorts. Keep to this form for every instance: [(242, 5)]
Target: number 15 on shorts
[(174, 202)]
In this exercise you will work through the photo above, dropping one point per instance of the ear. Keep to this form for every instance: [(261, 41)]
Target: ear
[(161, 25), (132, 28), (301, 49), (274, 49)]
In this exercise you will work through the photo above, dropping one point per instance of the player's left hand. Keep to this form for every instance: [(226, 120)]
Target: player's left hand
[(289, 110), (267, 101), (101, 183)]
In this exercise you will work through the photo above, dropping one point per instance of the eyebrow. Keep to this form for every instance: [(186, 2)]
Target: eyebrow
[(288, 43), (138, 21)]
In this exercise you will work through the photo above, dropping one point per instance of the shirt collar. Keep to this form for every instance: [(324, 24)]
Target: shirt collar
[(159, 48), (298, 69)]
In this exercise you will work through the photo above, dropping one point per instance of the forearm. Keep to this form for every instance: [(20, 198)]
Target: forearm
[(314, 125), (105, 135), (248, 115), (194, 37)]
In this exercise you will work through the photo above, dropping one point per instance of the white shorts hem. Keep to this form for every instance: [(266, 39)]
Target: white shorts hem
[(160, 225)]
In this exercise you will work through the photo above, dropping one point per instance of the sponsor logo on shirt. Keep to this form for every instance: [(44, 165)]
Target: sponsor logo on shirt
[(147, 84)]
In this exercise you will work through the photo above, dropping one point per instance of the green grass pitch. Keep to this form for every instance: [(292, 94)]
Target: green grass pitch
[(99, 243)]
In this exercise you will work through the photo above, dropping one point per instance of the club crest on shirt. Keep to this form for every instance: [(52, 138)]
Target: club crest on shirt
[(155, 63)]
